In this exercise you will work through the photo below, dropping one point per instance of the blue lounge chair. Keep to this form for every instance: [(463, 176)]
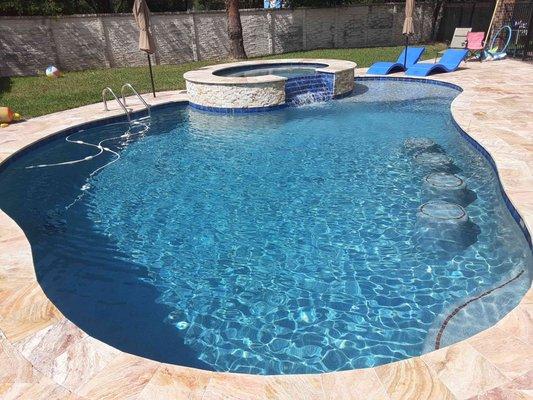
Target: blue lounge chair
[(449, 62), (384, 68)]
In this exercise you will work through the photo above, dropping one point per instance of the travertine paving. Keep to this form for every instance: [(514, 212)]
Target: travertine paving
[(44, 356)]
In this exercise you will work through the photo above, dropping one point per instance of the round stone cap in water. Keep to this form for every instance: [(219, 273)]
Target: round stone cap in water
[(445, 186), (443, 228), (443, 210), (444, 180), (414, 144), (434, 159)]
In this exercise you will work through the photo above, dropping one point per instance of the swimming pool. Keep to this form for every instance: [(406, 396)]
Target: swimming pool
[(273, 243)]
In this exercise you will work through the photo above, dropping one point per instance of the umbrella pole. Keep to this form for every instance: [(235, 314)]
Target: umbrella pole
[(405, 55), (151, 74)]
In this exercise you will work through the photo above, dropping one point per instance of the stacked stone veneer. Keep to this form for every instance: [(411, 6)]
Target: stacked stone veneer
[(249, 96), (344, 83), (29, 44)]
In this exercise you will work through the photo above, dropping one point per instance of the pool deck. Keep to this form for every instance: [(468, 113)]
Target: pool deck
[(45, 356)]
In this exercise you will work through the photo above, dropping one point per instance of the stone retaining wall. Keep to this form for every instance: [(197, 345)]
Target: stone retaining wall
[(29, 44)]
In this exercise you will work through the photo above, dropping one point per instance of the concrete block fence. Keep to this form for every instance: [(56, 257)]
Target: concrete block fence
[(29, 44)]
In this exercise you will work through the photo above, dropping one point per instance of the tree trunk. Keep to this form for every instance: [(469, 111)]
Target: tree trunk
[(437, 18), (236, 43)]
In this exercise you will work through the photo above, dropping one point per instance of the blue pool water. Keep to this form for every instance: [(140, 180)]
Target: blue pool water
[(270, 243), (287, 70)]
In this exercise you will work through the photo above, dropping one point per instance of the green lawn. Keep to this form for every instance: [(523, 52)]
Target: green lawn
[(38, 95)]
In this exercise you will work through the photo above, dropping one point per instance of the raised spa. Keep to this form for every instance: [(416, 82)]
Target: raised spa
[(266, 85), (302, 240)]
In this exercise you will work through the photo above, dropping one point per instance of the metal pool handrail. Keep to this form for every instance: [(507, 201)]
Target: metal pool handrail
[(129, 85), (108, 89)]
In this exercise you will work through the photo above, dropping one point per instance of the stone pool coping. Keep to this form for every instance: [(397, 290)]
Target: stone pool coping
[(44, 355)]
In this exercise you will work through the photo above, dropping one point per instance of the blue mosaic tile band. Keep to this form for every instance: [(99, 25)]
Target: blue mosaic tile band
[(225, 110), (319, 87), (514, 212)]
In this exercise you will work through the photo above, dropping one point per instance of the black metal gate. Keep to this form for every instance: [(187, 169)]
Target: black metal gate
[(464, 14), (519, 16)]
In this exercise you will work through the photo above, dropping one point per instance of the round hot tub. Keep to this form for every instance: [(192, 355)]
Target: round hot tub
[(265, 85), (287, 70)]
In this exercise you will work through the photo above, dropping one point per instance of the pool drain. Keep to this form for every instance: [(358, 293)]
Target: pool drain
[(444, 226), (445, 186)]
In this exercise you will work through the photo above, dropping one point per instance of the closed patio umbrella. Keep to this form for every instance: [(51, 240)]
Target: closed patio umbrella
[(146, 42), (408, 28)]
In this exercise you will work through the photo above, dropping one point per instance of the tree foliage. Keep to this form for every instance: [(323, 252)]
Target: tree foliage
[(59, 7), (66, 7)]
